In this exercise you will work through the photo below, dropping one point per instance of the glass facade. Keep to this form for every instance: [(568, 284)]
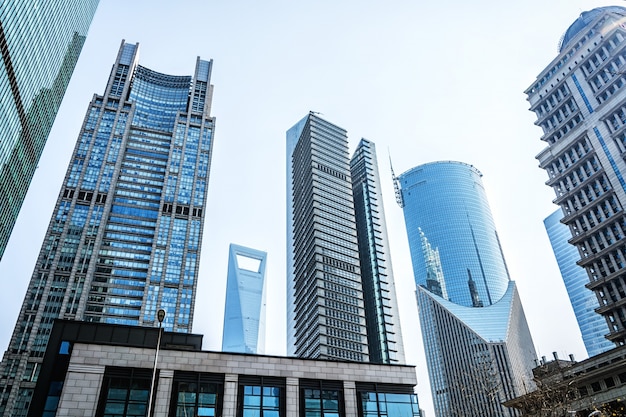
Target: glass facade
[(385, 401), (471, 318), (579, 103), (592, 326), (39, 46), (379, 293), (261, 397), (124, 239), (244, 311)]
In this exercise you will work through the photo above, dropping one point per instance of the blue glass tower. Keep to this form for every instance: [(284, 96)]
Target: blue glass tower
[(592, 325), (124, 239), (40, 45), (244, 311), (478, 346)]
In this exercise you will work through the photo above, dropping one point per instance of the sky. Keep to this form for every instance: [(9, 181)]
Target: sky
[(425, 81)]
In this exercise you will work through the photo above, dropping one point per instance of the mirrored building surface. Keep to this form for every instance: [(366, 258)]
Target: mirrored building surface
[(244, 311), (478, 346), (40, 45), (584, 302), (125, 235)]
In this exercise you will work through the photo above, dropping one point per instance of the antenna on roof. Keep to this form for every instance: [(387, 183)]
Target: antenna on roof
[(396, 184)]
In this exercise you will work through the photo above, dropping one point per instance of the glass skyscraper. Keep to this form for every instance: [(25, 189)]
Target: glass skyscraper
[(327, 309), (580, 103), (40, 44), (592, 325), (478, 346), (124, 239), (379, 292), (244, 310)]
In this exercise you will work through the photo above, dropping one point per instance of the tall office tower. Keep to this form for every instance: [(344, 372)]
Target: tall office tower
[(479, 350), (580, 103), (39, 46), (379, 293), (326, 304), (124, 239), (592, 325), (244, 310)]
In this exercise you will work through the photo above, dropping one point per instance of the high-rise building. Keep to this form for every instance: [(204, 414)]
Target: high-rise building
[(580, 103), (326, 304), (379, 293), (584, 302), (479, 350), (40, 45), (125, 235), (244, 310)]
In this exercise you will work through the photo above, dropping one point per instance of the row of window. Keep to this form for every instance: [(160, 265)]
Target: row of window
[(126, 392)]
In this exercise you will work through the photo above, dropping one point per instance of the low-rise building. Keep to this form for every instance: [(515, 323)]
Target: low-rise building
[(107, 370), (577, 388)]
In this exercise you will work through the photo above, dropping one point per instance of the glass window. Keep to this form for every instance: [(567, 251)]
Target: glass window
[(321, 398), (125, 392), (196, 394), (261, 397), (375, 402)]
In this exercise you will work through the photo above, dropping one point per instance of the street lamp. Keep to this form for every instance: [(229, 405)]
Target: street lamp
[(160, 318)]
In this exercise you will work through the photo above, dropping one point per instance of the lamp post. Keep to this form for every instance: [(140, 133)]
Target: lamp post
[(160, 318)]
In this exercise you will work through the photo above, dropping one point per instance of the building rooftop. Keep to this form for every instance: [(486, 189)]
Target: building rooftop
[(584, 20)]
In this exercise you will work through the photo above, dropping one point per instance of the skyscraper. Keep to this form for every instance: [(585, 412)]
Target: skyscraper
[(580, 103), (124, 239), (244, 310), (478, 346), (592, 325), (39, 46), (326, 304), (379, 293)]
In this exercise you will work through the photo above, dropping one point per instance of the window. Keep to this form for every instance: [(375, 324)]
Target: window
[(261, 397), (380, 400), (196, 394), (321, 398), (125, 392)]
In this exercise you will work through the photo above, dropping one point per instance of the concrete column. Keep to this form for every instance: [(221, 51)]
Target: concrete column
[(163, 392), (229, 408), (349, 398), (293, 403)]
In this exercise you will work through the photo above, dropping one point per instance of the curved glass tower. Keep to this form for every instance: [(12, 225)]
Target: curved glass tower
[(124, 239), (478, 346), (592, 325)]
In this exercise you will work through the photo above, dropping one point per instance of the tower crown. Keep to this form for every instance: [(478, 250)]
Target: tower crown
[(584, 20)]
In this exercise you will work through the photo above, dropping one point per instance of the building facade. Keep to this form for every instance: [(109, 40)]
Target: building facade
[(579, 100), (39, 46), (326, 302), (479, 350), (191, 382), (379, 292), (124, 239), (584, 302), (244, 310)]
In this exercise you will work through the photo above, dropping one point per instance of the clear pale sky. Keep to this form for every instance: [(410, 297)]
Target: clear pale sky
[(425, 81)]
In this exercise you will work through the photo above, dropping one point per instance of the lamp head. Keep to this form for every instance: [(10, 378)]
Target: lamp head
[(161, 315)]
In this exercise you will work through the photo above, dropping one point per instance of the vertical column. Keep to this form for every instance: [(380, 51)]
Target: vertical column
[(81, 390), (292, 397), (349, 398), (229, 405), (163, 393)]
